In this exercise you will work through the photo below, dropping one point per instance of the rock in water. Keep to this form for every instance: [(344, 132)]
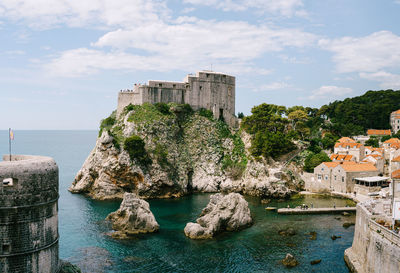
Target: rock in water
[(348, 224), (315, 262), (290, 261), (224, 212), (132, 217)]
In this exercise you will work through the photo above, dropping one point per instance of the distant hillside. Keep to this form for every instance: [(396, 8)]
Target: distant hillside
[(354, 116)]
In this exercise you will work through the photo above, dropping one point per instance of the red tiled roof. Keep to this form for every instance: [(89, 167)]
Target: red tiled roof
[(358, 167), (396, 174), (395, 145), (392, 140), (350, 144), (379, 132), (346, 139), (396, 159), (396, 112), (341, 157), (331, 164)]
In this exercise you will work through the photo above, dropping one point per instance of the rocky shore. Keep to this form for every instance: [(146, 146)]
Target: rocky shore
[(223, 213), (183, 152)]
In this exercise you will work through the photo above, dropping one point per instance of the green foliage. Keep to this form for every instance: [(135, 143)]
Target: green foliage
[(135, 147), (235, 163), (107, 123), (354, 116), (145, 113), (223, 130), (240, 115), (163, 108), (270, 144), (313, 160), (267, 117), (384, 138), (372, 141), (315, 145), (129, 107), (161, 154), (328, 141), (206, 113)]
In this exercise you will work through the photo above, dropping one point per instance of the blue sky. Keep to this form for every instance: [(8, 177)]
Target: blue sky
[(63, 62)]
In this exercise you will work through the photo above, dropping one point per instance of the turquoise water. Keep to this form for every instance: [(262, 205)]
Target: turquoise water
[(84, 233)]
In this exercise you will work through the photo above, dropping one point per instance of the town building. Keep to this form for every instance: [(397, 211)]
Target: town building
[(395, 121), (323, 173), (371, 150), (374, 132), (377, 160), (391, 148), (343, 175), (357, 150), (207, 89), (366, 185)]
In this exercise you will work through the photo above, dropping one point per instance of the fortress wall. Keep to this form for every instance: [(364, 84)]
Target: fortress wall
[(374, 248), (28, 214), (165, 95)]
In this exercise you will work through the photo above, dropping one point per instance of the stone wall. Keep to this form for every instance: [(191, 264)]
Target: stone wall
[(374, 248), (28, 214)]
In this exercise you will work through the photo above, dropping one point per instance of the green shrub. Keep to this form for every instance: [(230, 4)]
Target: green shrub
[(135, 147), (206, 113), (129, 107), (107, 123), (240, 115), (161, 154), (163, 108), (313, 160)]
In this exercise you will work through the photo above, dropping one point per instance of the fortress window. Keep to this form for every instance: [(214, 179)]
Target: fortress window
[(174, 85), (9, 182), (208, 75), (201, 87), (160, 84), (6, 248)]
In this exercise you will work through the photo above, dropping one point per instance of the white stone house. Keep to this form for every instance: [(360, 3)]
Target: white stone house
[(344, 173), (377, 160), (357, 150), (395, 121), (323, 173)]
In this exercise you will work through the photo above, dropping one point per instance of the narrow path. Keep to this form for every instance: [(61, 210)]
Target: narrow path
[(316, 210)]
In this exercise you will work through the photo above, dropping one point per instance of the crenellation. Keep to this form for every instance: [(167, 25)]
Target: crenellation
[(207, 89)]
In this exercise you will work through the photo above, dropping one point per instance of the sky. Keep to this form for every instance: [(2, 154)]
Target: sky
[(62, 62)]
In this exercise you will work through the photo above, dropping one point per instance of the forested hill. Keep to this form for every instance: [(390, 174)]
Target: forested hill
[(354, 116)]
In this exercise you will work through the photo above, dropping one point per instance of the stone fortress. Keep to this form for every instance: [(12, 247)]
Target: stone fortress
[(28, 214), (207, 89)]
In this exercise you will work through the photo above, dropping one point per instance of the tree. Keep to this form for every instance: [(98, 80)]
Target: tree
[(329, 140), (372, 141), (240, 115), (297, 116), (265, 117), (313, 160)]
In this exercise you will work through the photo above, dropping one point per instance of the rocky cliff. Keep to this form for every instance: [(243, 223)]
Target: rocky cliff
[(163, 151)]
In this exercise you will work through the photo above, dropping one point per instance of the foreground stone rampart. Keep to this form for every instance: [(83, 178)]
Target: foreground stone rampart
[(28, 214)]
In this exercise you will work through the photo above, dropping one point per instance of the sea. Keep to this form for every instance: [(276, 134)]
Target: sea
[(85, 235)]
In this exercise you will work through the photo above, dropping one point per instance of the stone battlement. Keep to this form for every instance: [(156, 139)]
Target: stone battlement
[(207, 89)]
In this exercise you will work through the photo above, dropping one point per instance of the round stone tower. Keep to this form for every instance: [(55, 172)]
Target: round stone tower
[(28, 214)]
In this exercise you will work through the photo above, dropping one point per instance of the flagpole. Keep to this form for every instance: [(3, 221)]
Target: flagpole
[(9, 140)]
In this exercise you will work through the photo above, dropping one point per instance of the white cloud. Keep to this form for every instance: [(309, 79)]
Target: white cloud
[(287, 8), (388, 80), (189, 44), (49, 13), (272, 86), (329, 91), (366, 54)]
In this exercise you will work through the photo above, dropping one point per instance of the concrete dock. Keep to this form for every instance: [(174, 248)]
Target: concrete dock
[(316, 210)]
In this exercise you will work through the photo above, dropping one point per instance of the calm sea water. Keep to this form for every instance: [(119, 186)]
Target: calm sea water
[(84, 239)]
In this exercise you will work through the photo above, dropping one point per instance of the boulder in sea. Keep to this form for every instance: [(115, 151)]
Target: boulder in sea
[(315, 262), (348, 224), (290, 261), (334, 237), (287, 232), (67, 267), (132, 217), (313, 235), (224, 212)]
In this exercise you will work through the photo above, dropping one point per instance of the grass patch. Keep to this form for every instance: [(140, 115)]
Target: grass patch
[(135, 147)]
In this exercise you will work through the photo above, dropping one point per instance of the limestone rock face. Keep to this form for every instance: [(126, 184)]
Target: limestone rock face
[(224, 212), (133, 217), (188, 154)]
